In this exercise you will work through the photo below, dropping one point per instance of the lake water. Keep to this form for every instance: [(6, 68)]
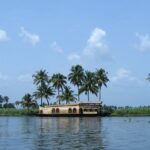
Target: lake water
[(114, 133)]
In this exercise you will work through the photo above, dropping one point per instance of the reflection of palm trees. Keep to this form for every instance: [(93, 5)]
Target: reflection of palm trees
[(55, 132), (86, 132), (91, 132)]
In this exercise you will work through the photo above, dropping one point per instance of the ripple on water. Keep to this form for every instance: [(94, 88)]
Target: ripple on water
[(37, 133)]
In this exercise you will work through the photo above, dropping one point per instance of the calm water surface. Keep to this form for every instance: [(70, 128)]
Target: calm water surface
[(35, 133)]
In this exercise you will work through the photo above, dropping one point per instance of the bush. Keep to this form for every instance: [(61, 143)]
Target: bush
[(141, 110)]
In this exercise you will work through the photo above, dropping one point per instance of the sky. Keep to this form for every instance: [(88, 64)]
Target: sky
[(55, 35)]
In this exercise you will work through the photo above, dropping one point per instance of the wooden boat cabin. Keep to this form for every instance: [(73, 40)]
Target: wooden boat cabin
[(81, 109)]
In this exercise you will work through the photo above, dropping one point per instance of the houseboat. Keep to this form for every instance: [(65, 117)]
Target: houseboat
[(80, 109)]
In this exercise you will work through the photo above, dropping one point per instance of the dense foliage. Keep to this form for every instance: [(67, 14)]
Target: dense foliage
[(57, 85), (125, 111), (4, 102)]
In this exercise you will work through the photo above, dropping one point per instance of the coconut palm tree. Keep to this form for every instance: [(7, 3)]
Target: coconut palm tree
[(40, 79), (1, 100), (27, 101), (44, 91), (48, 92), (76, 77), (67, 95), (39, 93), (89, 84), (58, 80), (6, 99), (17, 103), (101, 79)]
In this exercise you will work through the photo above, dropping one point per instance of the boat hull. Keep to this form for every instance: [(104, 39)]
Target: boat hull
[(68, 115)]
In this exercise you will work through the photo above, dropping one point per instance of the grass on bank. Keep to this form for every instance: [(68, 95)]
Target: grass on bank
[(106, 111), (132, 111), (16, 112)]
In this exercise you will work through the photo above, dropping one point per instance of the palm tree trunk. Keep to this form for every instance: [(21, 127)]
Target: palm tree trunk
[(100, 93), (41, 101), (88, 96), (78, 94), (41, 96), (47, 101), (58, 96)]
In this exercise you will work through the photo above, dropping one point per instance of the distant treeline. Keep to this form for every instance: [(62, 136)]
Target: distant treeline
[(4, 102), (125, 111)]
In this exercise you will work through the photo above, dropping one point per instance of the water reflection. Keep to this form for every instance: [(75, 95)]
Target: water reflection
[(35, 133), (69, 133)]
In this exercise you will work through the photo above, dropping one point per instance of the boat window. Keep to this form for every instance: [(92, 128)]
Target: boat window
[(69, 110), (57, 110), (53, 110), (74, 110), (85, 110)]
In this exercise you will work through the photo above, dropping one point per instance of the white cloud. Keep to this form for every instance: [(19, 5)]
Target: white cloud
[(3, 36), (3, 77), (25, 77), (96, 46), (56, 47), (143, 43), (74, 57), (31, 38), (122, 74)]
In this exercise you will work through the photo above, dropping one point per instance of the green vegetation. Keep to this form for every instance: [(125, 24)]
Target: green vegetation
[(76, 77), (132, 111), (16, 112), (89, 84), (27, 104), (67, 95), (4, 102), (57, 85), (125, 111), (102, 79), (59, 82), (86, 82), (40, 79)]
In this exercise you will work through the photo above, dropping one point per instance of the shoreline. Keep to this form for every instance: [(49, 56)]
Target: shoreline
[(37, 115), (125, 112)]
